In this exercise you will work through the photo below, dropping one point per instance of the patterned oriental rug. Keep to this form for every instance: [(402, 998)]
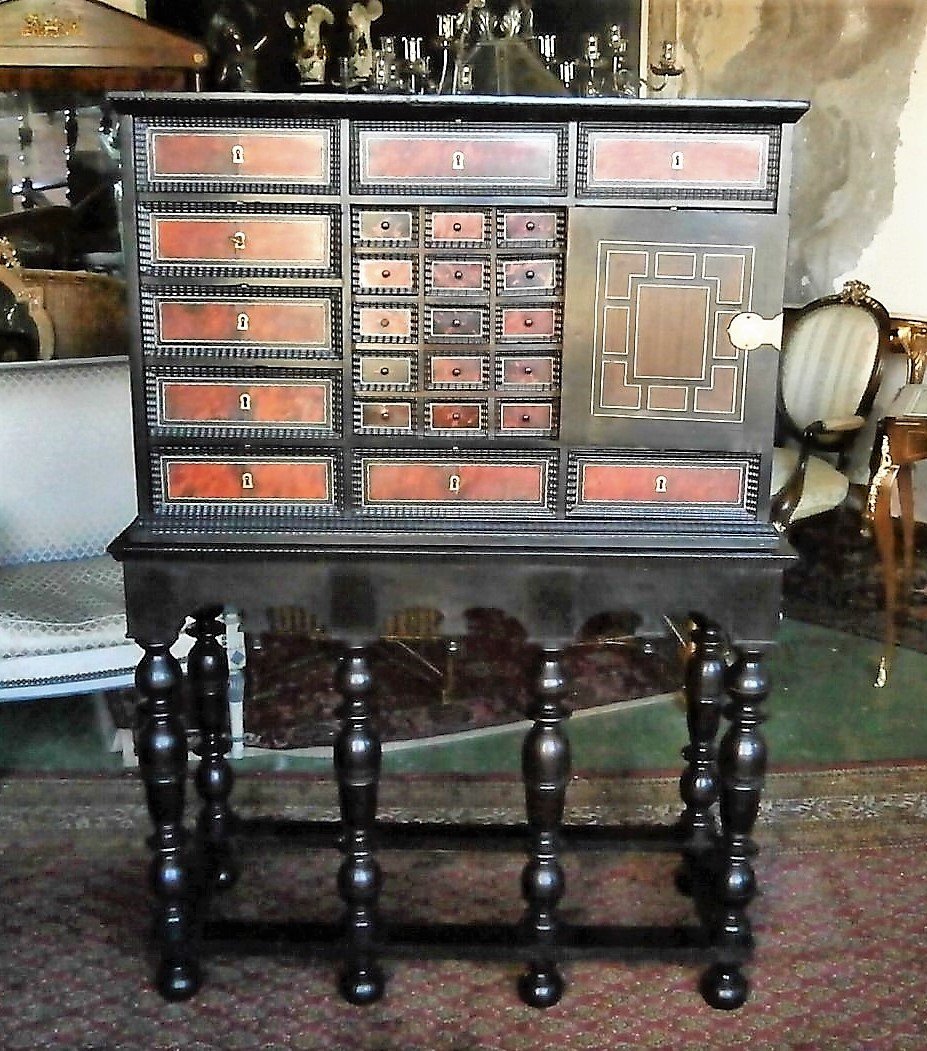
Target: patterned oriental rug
[(839, 922)]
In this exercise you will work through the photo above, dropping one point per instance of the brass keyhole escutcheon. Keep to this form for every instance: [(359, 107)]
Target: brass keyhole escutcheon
[(453, 483), (244, 402), (457, 161), (238, 154), (239, 240), (247, 480), (242, 322), (660, 484)]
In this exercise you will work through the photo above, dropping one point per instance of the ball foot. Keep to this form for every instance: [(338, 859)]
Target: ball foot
[(540, 988), (178, 979), (724, 987), (362, 985)]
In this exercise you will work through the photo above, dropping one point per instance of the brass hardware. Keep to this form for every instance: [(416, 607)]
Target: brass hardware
[(238, 154), (529, 274), (238, 240), (8, 256), (35, 25), (384, 322), (457, 228), (384, 415), (247, 480), (242, 322), (529, 225), (528, 370), (455, 371), (455, 323), (525, 417), (458, 275), (384, 273), (384, 371), (676, 161), (384, 225), (660, 484), (887, 468), (455, 416), (457, 161), (453, 483), (529, 322), (244, 402), (854, 292)]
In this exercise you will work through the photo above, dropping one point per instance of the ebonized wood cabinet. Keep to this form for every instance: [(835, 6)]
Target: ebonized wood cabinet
[(457, 352)]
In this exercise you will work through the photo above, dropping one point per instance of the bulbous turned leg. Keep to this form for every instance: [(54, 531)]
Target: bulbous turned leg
[(698, 786), (357, 767), (546, 770), (162, 755), (208, 674), (742, 765)]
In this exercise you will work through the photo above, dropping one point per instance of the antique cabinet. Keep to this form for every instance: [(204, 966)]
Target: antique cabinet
[(454, 352)]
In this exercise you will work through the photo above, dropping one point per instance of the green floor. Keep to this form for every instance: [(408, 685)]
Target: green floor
[(824, 711)]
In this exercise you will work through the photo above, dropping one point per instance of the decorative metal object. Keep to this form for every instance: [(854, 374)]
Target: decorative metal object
[(311, 55)]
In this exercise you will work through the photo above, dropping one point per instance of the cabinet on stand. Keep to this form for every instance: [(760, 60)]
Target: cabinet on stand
[(457, 352)]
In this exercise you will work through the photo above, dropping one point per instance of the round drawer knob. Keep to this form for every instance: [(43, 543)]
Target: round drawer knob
[(384, 415), (529, 322), (529, 274), (385, 224), (528, 370), (458, 275), (385, 273), (384, 371), (455, 323), (384, 322), (455, 371), (529, 225), (525, 417), (455, 416), (457, 228)]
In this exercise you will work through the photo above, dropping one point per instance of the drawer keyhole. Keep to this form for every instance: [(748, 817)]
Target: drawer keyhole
[(247, 480), (238, 154), (676, 161), (244, 402), (659, 485), (238, 240), (457, 161), (453, 483), (242, 322)]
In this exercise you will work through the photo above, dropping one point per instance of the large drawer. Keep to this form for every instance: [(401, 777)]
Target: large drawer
[(308, 323), (455, 485), (195, 482), (675, 164), (299, 402), (254, 240), (239, 157), (684, 484), (410, 158)]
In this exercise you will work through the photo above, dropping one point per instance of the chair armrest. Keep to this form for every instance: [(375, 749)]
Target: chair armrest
[(835, 425)]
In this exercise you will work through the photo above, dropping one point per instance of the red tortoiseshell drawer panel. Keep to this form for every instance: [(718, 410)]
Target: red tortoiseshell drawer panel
[(453, 484), (448, 228), (303, 404), (278, 322), (239, 242), (468, 417), (456, 276), (298, 483), (384, 324), (526, 324), (526, 417), (457, 370), (383, 274), (524, 276), (534, 371), (384, 416), (240, 156), (734, 165), (413, 158), (527, 228), (685, 484)]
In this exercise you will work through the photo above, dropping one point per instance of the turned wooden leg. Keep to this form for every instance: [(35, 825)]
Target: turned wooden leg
[(162, 755), (741, 765), (357, 767), (906, 508), (698, 786), (208, 674), (546, 770)]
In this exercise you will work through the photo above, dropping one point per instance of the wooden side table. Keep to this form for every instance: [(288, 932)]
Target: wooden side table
[(901, 442)]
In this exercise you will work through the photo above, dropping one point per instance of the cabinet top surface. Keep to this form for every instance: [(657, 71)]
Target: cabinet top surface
[(780, 111)]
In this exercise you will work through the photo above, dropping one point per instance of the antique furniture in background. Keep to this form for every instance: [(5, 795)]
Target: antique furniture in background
[(456, 352), (901, 443), (831, 364)]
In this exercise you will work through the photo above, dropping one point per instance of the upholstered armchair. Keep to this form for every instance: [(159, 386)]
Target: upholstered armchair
[(66, 489), (830, 367)]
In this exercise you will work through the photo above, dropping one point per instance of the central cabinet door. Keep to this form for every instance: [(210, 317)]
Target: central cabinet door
[(647, 358)]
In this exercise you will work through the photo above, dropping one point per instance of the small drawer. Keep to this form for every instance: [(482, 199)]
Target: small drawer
[(526, 324), (443, 229), (241, 242), (530, 228), (684, 485), (466, 416), (698, 165), (536, 371), (457, 370), (372, 274), (297, 483), (384, 324), (522, 417), (455, 485), (240, 156), (377, 416), (383, 371), (523, 276), (454, 323), (245, 405), (416, 157), (379, 227), (456, 276), (304, 323)]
